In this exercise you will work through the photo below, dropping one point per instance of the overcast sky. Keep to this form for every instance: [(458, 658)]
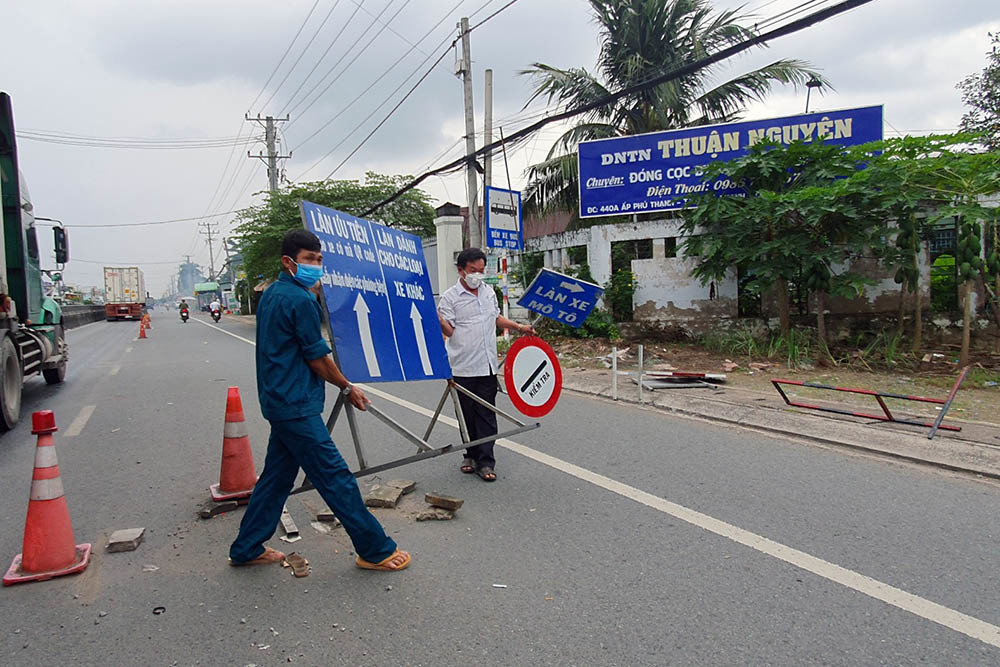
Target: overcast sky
[(191, 69)]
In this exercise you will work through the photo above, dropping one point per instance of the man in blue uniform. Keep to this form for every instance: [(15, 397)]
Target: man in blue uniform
[(293, 365)]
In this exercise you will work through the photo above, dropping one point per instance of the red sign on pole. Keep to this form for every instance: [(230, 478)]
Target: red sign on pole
[(533, 376)]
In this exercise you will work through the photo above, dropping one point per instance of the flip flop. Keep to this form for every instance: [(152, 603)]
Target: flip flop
[(486, 474), (383, 565), (299, 565), (468, 466), (269, 556)]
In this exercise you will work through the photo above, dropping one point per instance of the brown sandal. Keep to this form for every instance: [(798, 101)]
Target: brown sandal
[(383, 565), (269, 556)]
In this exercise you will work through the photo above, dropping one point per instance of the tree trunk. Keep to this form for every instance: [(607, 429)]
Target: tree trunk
[(902, 309), (966, 322), (821, 316), (784, 318), (918, 305)]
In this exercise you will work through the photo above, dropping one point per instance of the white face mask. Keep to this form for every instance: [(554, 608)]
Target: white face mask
[(474, 280)]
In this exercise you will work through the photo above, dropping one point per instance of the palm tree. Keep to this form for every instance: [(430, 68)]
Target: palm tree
[(639, 40)]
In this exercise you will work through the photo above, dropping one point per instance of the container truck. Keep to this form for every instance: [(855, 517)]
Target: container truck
[(124, 292), (32, 335)]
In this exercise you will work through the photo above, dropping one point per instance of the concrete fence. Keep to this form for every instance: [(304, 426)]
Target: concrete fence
[(77, 316)]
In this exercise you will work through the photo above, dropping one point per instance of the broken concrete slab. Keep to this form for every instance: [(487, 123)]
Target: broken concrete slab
[(126, 540), (405, 485), (382, 495), (436, 499), (436, 514)]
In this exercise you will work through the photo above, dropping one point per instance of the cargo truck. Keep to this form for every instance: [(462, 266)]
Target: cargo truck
[(32, 336), (124, 292)]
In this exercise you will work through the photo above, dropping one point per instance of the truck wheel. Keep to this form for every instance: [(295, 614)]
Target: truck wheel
[(58, 374), (11, 383)]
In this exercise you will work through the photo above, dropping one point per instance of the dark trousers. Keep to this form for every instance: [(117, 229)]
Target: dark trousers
[(479, 421), (305, 442)]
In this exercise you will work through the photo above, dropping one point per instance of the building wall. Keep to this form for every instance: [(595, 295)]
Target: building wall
[(667, 291)]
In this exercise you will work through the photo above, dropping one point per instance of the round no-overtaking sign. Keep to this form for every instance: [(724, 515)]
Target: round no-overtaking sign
[(533, 376)]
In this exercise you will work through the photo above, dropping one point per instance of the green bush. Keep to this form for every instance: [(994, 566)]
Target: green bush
[(618, 293)]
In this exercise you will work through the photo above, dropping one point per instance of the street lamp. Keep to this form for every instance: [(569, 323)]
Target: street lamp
[(810, 84)]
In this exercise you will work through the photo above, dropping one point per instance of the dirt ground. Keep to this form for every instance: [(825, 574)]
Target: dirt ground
[(978, 399)]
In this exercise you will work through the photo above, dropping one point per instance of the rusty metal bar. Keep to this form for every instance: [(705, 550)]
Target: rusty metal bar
[(947, 404), (878, 395)]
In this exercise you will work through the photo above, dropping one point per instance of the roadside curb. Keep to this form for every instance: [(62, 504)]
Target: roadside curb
[(977, 459)]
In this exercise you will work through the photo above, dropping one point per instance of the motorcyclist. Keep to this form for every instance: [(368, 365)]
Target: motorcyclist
[(184, 309), (215, 305)]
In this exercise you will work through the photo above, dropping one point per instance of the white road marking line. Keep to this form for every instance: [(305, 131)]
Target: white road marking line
[(914, 604), (128, 349), (228, 333), (932, 611), (114, 371), (80, 422)]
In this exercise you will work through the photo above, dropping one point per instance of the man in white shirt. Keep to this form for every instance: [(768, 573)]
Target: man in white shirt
[(215, 305), (470, 316)]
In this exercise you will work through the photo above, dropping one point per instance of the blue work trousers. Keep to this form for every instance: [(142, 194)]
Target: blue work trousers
[(305, 442)]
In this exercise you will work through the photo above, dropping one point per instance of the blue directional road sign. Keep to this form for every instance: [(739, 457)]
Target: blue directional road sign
[(378, 294), (560, 297)]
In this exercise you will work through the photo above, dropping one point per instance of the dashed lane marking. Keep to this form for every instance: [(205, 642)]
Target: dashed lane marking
[(80, 422)]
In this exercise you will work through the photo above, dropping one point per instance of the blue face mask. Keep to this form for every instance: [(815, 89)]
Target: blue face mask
[(307, 274)]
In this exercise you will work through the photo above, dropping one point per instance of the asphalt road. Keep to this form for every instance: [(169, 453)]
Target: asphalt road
[(623, 536)]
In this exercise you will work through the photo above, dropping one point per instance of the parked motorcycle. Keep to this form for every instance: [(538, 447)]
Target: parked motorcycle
[(216, 314)]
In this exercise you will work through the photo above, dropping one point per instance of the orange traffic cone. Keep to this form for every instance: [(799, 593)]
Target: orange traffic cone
[(49, 548), (142, 330), (237, 476)]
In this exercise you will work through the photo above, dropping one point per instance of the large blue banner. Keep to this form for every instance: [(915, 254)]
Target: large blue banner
[(658, 171), (378, 294)]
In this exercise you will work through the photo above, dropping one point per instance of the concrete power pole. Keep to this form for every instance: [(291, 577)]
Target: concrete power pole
[(210, 231), (270, 140), (488, 134), (475, 230)]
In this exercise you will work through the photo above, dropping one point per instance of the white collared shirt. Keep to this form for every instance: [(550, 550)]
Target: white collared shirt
[(472, 348)]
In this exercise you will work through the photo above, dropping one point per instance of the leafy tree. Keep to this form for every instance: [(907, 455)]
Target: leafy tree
[(961, 181), (802, 219), (261, 227), (641, 39), (981, 93)]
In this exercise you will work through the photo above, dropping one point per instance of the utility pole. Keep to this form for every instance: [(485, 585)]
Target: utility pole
[(210, 231), (475, 230), (488, 134), (270, 140)]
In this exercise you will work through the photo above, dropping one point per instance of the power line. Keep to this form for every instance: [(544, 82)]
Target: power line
[(285, 54), (383, 103), (492, 15), (147, 224), (387, 71), (406, 96), (285, 108), (149, 144), (392, 30), (685, 70), (308, 44), (350, 49)]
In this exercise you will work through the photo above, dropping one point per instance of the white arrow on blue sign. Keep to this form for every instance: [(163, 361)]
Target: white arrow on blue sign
[(379, 297), (560, 297)]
